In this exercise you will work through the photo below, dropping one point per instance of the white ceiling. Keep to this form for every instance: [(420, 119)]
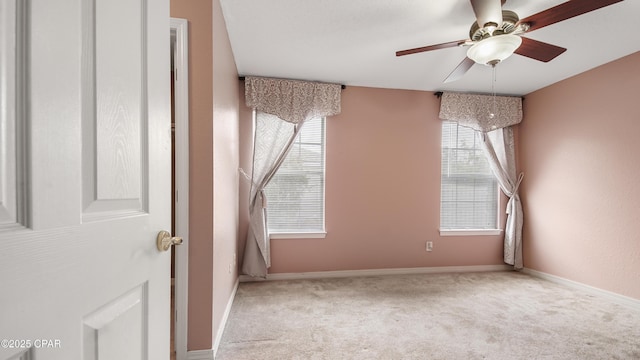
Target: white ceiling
[(353, 42)]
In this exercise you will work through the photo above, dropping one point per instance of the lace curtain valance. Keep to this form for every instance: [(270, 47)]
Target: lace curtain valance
[(474, 111), (292, 100)]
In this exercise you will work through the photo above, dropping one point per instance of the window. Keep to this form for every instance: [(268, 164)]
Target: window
[(469, 191), (295, 194)]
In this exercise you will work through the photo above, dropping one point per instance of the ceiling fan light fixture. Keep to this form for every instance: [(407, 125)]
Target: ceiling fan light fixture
[(495, 49)]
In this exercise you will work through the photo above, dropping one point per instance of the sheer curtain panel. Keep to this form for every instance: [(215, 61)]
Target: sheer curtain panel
[(492, 117), (282, 107), (499, 148)]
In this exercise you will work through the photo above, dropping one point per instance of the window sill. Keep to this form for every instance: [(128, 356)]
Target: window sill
[(304, 235), (470, 232)]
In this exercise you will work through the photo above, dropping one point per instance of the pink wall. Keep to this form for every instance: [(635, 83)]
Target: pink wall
[(198, 13), (382, 190), (579, 149), (213, 163), (225, 168)]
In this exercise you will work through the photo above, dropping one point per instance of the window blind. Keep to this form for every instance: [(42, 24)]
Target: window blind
[(295, 195), (469, 190)]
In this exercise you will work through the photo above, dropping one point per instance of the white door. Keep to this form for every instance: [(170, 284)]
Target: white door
[(84, 179)]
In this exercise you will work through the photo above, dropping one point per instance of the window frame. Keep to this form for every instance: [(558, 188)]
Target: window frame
[(496, 230), (315, 233)]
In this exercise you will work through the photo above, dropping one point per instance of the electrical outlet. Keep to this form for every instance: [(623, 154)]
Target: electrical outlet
[(429, 245)]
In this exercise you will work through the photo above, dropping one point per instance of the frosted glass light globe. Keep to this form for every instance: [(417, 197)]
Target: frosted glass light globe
[(492, 50)]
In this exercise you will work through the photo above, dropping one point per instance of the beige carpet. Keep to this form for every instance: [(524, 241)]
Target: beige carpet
[(500, 315)]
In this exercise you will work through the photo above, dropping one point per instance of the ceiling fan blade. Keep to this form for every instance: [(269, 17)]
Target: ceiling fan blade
[(539, 50), (564, 11), (460, 70), (429, 48), (487, 12)]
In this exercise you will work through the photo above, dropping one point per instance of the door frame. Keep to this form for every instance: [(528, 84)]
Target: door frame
[(179, 29)]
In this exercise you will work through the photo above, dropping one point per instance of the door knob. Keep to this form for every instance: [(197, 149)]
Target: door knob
[(165, 240)]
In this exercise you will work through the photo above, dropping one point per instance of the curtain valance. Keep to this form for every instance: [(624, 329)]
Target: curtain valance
[(292, 100), (474, 111)]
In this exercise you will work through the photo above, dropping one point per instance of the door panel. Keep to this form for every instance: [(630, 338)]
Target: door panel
[(120, 96), (85, 181), (114, 109), (117, 330), (12, 166)]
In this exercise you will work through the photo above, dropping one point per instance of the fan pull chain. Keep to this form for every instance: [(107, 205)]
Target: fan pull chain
[(492, 114)]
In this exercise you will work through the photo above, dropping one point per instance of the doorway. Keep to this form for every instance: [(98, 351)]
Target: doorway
[(180, 186)]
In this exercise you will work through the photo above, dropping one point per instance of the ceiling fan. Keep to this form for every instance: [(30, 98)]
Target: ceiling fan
[(499, 36)]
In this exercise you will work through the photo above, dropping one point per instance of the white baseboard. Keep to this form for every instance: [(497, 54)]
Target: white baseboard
[(200, 355), (377, 272), (614, 297), (225, 317)]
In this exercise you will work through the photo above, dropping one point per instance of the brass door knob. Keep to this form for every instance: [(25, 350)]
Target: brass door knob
[(165, 240)]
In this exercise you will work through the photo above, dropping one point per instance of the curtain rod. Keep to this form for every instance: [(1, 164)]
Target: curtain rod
[(241, 78), (438, 94)]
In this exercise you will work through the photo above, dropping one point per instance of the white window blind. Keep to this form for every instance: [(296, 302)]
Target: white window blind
[(295, 195), (469, 190)]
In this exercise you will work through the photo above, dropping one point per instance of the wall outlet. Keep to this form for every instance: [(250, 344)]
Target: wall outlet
[(429, 245)]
